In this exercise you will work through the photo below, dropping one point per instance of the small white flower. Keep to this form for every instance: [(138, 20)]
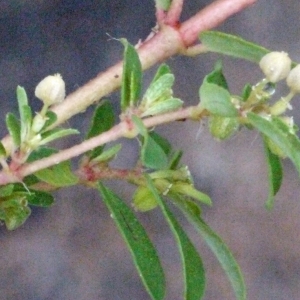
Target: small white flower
[(293, 80), (276, 66), (51, 90)]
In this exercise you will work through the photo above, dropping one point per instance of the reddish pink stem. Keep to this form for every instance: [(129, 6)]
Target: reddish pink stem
[(210, 17)]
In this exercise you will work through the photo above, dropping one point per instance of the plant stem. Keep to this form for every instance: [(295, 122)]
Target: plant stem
[(170, 40)]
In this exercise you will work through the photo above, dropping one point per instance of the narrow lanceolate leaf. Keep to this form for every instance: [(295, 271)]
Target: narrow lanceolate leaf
[(24, 111), (219, 248), (193, 270), (58, 175), (275, 175), (163, 106), (214, 95), (132, 76), (232, 45), (103, 119), (280, 134), (14, 128), (190, 191), (107, 154), (55, 134), (142, 250)]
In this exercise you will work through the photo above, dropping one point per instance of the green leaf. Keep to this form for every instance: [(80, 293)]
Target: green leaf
[(34, 197), (159, 89), (274, 174), (2, 150), (162, 70), (280, 134), (193, 270), (14, 128), (246, 92), (58, 175), (51, 119), (142, 250), (219, 248), (14, 212), (103, 120), (189, 190), (40, 198), (232, 45), (175, 159), (132, 76), (162, 142), (153, 155), (108, 154), (162, 107), (214, 95), (24, 111), (6, 190), (163, 4), (40, 153), (55, 134)]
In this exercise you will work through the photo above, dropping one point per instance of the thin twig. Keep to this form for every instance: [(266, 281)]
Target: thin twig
[(168, 42)]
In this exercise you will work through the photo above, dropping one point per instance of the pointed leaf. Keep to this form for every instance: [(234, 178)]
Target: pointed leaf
[(108, 154), (274, 174), (132, 76), (103, 120), (214, 95), (163, 106), (193, 270), (143, 252), (280, 134), (152, 154), (162, 70), (58, 175), (162, 142), (219, 248), (40, 198), (232, 45), (55, 134), (24, 111), (2, 150), (51, 119), (158, 89), (14, 128), (190, 191)]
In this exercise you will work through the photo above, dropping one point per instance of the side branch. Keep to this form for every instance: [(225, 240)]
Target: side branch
[(118, 131)]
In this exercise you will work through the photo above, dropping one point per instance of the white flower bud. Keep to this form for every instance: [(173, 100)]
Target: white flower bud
[(51, 90), (293, 80), (276, 66)]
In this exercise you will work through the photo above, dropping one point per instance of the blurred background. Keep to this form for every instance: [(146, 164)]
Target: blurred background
[(73, 250)]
